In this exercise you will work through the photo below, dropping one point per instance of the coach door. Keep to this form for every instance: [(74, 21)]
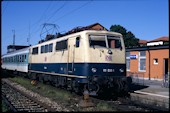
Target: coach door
[(72, 44)]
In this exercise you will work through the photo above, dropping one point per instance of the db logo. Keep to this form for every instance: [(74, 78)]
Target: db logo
[(108, 58), (45, 59)]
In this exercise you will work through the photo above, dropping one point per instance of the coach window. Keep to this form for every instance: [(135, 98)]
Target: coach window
[(35, 50), (50, 47), (17, 58), (20, 58), (62, 45), (25, 58), (13, 59), (42, 49), (46, 48)]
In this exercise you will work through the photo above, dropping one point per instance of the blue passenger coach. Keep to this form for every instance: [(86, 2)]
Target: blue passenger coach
[(16, 61)]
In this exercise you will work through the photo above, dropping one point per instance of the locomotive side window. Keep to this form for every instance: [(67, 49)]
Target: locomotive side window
[(77, 41), (46, 48), (42, 49), (62, 45), (51, 47), (35, 50)]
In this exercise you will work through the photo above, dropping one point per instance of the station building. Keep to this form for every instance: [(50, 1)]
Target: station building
[(149, 61)]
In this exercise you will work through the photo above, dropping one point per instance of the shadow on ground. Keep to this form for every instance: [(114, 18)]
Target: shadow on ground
[(134, 87)]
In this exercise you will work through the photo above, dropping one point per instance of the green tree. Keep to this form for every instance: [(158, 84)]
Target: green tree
[(129, 38)]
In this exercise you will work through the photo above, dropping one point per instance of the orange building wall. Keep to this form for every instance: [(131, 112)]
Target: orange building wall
[(156, 71), (134, 68), (98, 27), (134, 65)]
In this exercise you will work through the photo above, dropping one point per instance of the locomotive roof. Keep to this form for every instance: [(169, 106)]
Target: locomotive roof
[(79, 33)]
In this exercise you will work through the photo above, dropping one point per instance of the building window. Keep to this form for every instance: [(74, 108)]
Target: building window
[(155, 61), (142, 61), (128, 61)]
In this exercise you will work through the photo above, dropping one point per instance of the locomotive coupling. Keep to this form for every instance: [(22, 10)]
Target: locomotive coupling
[(86, 100), (86, 95), (33, 82)]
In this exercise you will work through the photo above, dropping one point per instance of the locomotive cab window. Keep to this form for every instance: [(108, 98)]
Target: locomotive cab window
[(97, 41), (114, 42), (104, 41), (62, 45)]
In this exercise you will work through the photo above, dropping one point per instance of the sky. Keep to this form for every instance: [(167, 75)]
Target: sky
[(146, 19)]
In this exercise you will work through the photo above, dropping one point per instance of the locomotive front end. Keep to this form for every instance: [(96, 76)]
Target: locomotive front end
[(106, 67)]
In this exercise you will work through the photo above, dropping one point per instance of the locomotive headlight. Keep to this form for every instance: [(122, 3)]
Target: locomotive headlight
[(93, 70), (121, 70)]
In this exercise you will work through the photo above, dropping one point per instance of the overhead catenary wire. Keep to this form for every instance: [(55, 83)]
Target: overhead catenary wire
[(73, 11), (5, 8), (38, 21), (42, 17), (56, 11)]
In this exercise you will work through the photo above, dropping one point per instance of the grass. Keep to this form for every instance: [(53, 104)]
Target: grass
[(59, 95), (44, 90), (4, 107), (103, 106)]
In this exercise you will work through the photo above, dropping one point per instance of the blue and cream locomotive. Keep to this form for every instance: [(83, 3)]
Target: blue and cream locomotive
[(90, 59)]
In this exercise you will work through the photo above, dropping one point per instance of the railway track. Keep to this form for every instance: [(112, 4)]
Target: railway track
[(124, 104), (120, 104), (17, 101)]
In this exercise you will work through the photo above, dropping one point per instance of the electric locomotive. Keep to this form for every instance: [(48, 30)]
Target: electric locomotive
[(90, 59), (87, 60)]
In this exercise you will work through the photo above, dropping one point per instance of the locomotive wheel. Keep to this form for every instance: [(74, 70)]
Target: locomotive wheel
[(75, 86), (40, 79)]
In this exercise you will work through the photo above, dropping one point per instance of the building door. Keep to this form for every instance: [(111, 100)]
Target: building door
[(165, 66)]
